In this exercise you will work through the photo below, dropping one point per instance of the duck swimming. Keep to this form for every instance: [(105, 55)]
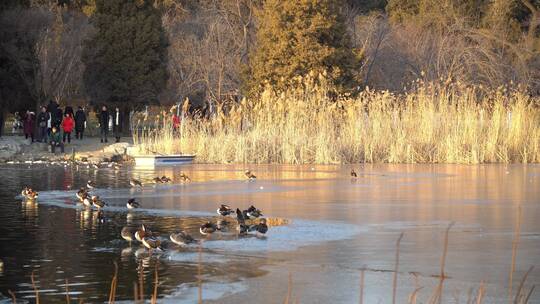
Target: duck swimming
[(249, 175), (151, 242), (224, 210), (261, 227), (353, 173), (90, 185), (207, 228), (182, 238), (141, 233), (157, 180), (132, 204), (87, 201), (24, 191), (31, 194), (184, 177), (97, 202), (128, 234), (81, 194), (165, 179), (135, 183)]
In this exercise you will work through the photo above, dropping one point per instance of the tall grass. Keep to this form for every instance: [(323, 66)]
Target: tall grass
[(434, 123)]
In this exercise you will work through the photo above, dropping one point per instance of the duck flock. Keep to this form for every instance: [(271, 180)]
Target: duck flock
[(249, 221)]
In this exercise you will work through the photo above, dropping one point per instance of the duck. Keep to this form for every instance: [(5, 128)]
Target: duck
[(249, 175), (222, 225), (132, 204), (261, 227), (24, 191), (81, 194), (182, 238), (157, 180), (184, 177), (224, 210), (135, 183), (253, 212), (87, 201), (165, 179), (151, 242), (90, 185), (31, 194), (207, 228), (128, 234), (242, 228), (142, 232), (97, 202), (353, 173)]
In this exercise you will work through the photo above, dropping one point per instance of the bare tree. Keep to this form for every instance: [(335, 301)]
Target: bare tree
[(45, 46)]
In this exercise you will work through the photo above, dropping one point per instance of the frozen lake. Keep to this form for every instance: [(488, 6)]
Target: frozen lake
[(335, 229)]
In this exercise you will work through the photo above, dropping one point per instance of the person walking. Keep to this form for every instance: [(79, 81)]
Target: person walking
[(118, 120), (29, 125), (55, 140), (80, 123), (104, 123), (67, 126), (42, 121)]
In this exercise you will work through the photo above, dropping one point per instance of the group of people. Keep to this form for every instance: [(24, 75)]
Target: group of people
[(54, 125)]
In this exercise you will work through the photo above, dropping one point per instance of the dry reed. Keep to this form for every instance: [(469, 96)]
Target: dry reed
[(362, 274), (289, 290), (199, 274), (34, 287), (396, 269), (515, 242), (435, 123), (114, 281), (156, 282), (13, 297), (67, 292)]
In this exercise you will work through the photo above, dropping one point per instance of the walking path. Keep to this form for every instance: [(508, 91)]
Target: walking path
[(16, 148)]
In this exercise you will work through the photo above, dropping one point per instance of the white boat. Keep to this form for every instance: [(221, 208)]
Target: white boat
[(160, 160)]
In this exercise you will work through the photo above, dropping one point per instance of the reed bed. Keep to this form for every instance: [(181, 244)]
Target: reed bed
[(433, 123)]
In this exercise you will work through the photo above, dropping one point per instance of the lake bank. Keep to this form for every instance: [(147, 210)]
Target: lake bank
[(19, 149)]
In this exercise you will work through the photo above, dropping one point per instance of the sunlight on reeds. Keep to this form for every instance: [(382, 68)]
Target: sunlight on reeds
[(435, 123)]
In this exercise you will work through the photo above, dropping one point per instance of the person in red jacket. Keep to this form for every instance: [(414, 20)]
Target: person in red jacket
[(67, 125)]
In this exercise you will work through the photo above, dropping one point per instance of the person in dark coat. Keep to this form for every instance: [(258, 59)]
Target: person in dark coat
[(1, 122), (52, 108), (56, 140), (68, 110), (104, 123), (29, 125), (118, 120), (42, 120), (80, 123), (58, 117)]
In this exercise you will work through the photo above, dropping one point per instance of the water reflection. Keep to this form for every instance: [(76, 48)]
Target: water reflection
[(60, 240)]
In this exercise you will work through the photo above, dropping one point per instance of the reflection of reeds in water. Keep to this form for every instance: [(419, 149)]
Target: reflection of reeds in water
[(277, 221), (433, 124)]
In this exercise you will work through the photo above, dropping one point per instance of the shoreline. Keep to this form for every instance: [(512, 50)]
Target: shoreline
[(14, 148), (17, 149)]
